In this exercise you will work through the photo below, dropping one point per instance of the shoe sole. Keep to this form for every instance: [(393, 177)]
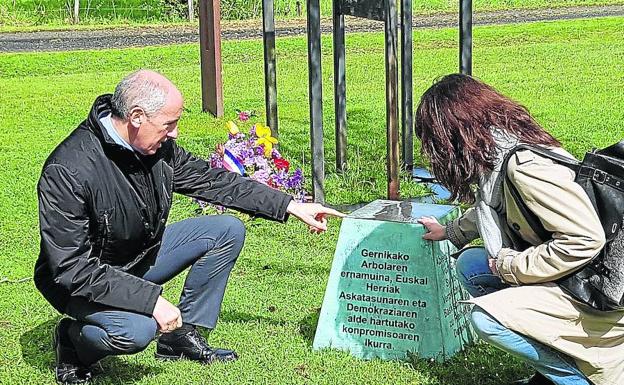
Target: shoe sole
[(55, 341), (166, 357)]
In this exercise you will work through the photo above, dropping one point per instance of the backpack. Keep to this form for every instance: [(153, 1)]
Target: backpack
[(599, 283)]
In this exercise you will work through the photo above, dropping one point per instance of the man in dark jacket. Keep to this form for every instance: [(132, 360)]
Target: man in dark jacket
[(104, 198)]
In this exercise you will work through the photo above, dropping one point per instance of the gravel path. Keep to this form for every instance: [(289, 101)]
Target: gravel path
[(141, 36)]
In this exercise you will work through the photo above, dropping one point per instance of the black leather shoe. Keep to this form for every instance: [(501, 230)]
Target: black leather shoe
[(536, 379), (190, 345), (68, 369)]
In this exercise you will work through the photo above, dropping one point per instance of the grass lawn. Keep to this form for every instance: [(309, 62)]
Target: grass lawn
[(569, 74), (55, 13)]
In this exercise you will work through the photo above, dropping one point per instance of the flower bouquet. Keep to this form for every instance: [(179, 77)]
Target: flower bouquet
[(254, 155)]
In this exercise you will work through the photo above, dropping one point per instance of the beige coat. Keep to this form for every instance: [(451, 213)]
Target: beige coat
[(534, 306)]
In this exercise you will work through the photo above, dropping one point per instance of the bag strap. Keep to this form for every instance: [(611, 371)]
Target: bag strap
[(615, 150), (532, 220), (572, 164)]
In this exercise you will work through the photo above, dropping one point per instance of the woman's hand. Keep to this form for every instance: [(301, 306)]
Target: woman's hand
[(435, 231), (492, 264)]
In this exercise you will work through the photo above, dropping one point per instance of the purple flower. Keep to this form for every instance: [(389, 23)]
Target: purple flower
[(280, 179), (261, 176), (270, 171), (296, 180), (216, 161)]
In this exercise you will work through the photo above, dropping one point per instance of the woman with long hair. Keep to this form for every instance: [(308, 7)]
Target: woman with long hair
[(467, 129)]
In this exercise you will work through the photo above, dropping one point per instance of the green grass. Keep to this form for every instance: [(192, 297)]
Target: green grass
[(56, 13), (569, 74)]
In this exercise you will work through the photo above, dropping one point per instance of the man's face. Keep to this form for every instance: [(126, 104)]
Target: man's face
[(159, 127)]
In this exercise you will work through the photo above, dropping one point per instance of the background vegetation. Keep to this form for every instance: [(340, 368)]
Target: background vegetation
[(568, 73), (115, 12)]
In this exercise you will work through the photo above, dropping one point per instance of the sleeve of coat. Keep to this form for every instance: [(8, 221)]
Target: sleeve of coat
[(565, 210), (463, 230), (64, 227), (194, 177)]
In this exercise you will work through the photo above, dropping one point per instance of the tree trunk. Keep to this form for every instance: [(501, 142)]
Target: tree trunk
[(76, 11), (190, 10)]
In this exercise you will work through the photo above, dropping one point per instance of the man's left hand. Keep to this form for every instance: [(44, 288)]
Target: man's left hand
[(313, 214)]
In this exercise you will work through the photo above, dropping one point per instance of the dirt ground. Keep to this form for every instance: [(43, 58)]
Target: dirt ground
[(143, 36)]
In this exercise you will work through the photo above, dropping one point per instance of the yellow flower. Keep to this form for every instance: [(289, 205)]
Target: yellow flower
[(232, 127), (265, 139)]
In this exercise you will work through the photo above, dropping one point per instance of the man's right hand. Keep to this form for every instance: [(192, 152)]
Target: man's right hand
[(167, 316)]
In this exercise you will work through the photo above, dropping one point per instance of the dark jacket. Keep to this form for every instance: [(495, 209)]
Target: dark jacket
[(103, 209)]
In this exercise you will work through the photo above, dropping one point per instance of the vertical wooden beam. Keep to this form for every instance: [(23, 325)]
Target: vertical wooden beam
[(407, 109), (191, 10), (465, 37), (340, 88), (315, 84), (76, 15), (392, 96), (270, 77), (210, 50)]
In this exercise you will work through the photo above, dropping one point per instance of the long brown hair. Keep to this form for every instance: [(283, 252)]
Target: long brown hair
[(454, 122)]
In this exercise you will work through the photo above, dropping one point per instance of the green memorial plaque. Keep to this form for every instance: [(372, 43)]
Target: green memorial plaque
[(390, 292)]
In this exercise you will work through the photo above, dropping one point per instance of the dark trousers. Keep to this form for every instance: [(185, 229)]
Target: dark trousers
[(210, 245)]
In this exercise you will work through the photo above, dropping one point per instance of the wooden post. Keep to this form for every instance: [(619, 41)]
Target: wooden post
[(76, 15), (465, 37), (191, 10), (407, 109), (315, 84), (392, 111), (270, 78), (340, 88), (210, 49)]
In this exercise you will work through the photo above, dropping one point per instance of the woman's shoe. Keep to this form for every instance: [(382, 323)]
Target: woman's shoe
[(536, 379)]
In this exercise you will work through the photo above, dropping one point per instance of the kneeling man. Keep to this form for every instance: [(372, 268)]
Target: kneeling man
[(104, 197)]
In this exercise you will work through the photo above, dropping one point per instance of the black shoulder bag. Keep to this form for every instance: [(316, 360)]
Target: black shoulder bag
[(599, 283)]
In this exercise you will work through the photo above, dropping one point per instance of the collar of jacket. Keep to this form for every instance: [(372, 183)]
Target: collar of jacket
[(102, 105)]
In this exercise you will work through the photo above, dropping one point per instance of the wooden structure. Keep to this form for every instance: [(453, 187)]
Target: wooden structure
[(385, 11), (465, 37), (210, 52), (270, 77), (315, 87), (382, 10)]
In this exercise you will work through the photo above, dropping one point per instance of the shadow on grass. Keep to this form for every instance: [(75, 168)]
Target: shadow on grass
[(37, 352), (308, 325), (478, 364), (236, 316)]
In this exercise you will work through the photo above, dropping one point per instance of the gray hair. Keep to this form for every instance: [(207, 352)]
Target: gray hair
[(137, 90)]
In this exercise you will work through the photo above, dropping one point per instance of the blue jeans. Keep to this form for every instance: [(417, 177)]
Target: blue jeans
[(210, 245), (475, 274)]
